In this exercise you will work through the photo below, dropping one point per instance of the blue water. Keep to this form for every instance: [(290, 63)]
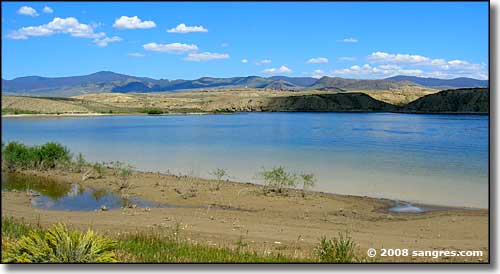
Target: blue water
[(436, 159)]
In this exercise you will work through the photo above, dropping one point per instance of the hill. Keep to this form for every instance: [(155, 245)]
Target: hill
[(461, 82), (106, 81), (298, 81), (243, 100), (337, 83), (470, 100)]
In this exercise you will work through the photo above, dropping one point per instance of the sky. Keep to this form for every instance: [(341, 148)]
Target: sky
[(167, 40)]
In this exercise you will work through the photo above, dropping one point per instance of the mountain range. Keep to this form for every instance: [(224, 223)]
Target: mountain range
[(107, 81)]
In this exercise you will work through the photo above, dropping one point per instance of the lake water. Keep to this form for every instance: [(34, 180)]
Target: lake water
[(434, 159)]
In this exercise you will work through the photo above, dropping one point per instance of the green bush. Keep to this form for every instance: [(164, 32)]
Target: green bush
[(153, 111), (51, 154), (17, 155), (337, 250), (58, 245), (278, 179), (219, 174), (100, 169), (308, 181)]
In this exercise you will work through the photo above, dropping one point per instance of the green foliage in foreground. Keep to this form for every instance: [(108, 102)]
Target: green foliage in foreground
[(153, 248), (59, 245), (47, 156), (337, 250), (139, 247), (26, 243)]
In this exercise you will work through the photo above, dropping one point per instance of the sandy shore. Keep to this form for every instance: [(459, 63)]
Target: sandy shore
[(289, 224), (96, 114), (54, 115)]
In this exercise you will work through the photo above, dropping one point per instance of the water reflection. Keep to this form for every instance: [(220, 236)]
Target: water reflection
[(44, 186), (55, 195)]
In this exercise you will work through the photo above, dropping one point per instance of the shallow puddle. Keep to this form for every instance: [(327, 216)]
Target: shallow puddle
[(54, 195), (407, 208)]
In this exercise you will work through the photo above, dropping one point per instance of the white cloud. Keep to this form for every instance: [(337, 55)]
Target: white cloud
[(47, 9), (318, 73), (27, 10), (69, 25), (25, 32), (349, 40), (136, 54), (430, 67), (368, 71), (458, 62), (224, 45), (134, 22), (182, 28), (383, 57), (206, 56), (265, 61), (317, 60), (282, 69), (171, 48), (346, 59), (244, 61), (102, 42)]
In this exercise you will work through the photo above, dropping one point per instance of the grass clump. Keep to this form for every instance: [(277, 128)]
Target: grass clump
[(59, 245), (80, 163), (100, 170), (337, 250), (155, 248), (124, 170)]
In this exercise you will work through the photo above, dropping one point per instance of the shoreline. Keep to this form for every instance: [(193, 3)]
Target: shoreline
[(388, 202), (241, 210), (218, 113)]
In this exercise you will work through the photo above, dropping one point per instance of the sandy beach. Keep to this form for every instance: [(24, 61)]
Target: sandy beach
[(291, 224)]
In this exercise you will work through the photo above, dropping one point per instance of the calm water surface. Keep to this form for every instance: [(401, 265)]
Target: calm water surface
[(436, 159)]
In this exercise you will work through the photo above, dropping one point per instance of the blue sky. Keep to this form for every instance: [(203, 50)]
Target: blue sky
[(192, 40)]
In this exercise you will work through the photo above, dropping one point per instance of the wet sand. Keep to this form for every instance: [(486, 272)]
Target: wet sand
[(290, 224)]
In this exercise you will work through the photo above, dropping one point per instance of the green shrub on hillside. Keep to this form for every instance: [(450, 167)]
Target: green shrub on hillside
[(153, 111)]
